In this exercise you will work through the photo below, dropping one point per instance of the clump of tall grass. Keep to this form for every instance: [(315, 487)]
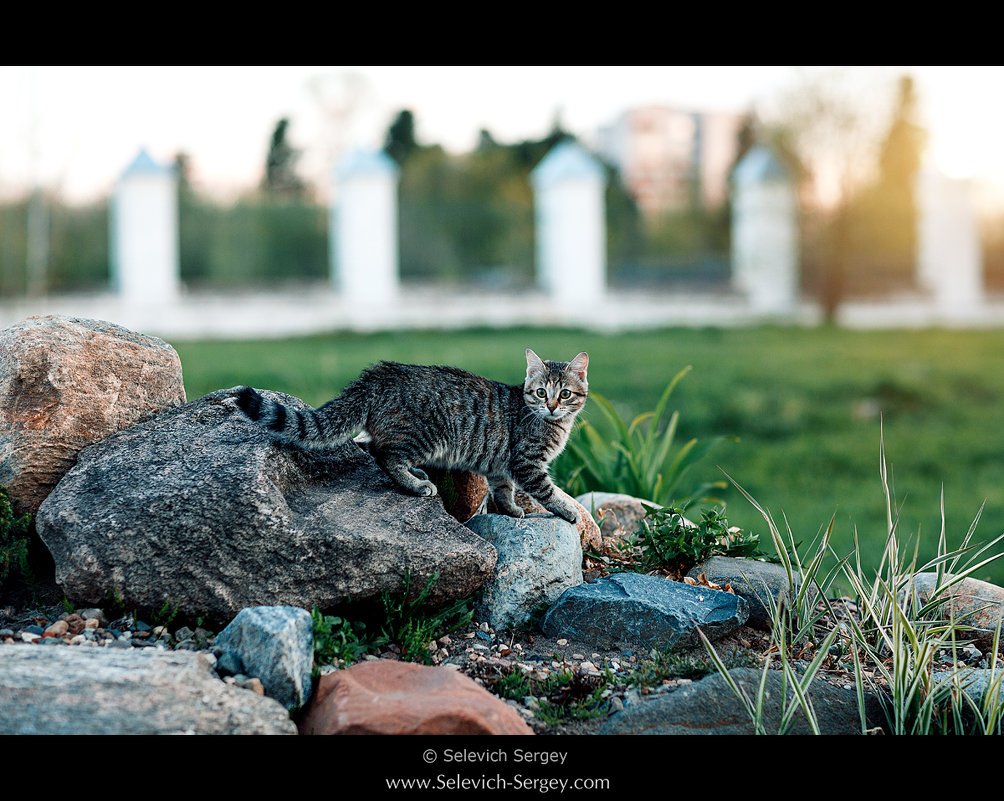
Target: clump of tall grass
[(895, 639)]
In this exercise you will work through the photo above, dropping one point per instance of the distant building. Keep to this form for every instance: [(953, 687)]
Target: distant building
[(669, 158)]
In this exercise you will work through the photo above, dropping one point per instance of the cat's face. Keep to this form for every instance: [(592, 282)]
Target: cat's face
[(555, 390)]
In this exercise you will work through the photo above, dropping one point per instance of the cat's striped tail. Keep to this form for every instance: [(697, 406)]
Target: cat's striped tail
[(310, 428)]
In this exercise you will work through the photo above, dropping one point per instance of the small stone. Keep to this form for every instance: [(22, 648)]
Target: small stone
[(562, 642), (91, 623), (580, 657), (30, 636), (93, 614), (6, 632), (35, 630), (255, 685), (445, 640), (74, 623), (184, 633)]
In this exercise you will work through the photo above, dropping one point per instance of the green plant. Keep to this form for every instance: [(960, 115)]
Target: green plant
[(338, 639), (412, 627), (638, 459), (669, 540), (678, 665), (563, 695), (14, 536), (165, 615)]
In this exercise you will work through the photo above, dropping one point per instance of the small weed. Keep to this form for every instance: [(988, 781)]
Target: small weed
[(572, 695), (166, 615), (14, 536), (339, 640), (665, 665), (413, 628)]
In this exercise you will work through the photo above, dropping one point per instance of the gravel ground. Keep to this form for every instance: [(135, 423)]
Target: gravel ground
[(559, 686)]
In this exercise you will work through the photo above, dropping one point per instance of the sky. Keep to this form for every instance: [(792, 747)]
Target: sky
[(74, 129)]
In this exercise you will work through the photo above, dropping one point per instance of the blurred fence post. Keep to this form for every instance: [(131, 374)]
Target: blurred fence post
[(363, 229), (765, 262), (570, 225), (949, 254), (144, 232)]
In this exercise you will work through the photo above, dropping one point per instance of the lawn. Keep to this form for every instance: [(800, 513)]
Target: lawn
[(805, 405)]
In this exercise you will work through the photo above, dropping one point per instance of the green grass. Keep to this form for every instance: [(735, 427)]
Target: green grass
[(804, 404)]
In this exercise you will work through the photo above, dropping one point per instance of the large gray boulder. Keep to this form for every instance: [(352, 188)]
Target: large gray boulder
[(66, 383), (539, 558), (126, 691), (710, 706), (201, 510), (648, 610)]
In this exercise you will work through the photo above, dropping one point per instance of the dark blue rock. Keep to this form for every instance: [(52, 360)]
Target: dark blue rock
[(647, 610)]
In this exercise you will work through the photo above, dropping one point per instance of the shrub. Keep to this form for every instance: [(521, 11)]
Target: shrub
[(669, 540), (636, 458)]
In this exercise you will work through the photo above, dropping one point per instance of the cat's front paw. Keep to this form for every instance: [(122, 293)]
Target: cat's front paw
[(570, 514), (427, 489)]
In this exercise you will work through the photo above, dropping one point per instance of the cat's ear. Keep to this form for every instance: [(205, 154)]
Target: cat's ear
[(579, 364), (534, 363)]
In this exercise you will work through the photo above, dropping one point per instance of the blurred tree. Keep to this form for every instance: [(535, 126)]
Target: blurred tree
[(828, 128), (400, 141), (884, 214), (280, 178)]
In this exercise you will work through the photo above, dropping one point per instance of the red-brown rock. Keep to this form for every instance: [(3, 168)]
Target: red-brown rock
[(463, 493), (404, 698), (66, 383)]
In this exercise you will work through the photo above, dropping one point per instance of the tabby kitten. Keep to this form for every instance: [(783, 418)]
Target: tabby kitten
[(448, 418)]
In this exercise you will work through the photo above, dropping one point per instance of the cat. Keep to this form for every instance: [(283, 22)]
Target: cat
[(448, 418)]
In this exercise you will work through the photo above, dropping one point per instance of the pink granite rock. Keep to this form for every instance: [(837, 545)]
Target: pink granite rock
[(66, 383), (388, 697)]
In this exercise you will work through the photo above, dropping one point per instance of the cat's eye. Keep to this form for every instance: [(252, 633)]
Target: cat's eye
[(565, 394), (541, 392)]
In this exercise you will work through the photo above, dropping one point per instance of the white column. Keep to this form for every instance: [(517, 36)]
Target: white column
[(144, 222), (949, 253), (364, 228), (570, 226), (765, 262)]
